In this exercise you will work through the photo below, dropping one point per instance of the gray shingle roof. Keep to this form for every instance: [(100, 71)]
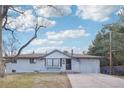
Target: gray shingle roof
[(85, 56), (36, 55)]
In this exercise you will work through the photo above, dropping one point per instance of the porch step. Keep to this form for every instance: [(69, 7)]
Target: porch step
[(53, 69)]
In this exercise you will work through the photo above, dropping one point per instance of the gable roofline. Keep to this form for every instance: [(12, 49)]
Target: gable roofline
[(27, 56), (57, 51)]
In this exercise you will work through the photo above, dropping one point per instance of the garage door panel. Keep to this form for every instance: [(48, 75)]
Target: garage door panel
[(89, 67)]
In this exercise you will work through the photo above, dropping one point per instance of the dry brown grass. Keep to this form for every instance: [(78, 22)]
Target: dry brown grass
[(37, 80)]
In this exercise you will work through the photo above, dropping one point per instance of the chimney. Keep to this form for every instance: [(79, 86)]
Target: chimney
[(72, 52), (46, 51), (33, 52)]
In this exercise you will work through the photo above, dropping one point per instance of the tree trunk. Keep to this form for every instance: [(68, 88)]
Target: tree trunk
[(2, 68)]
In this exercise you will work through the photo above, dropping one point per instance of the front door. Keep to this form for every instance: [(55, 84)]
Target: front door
[(68, 64)]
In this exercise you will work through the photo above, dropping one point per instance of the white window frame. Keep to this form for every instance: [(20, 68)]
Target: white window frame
[(49, 60), (57, 61), (14, 61), (52, 61), (32, 61)]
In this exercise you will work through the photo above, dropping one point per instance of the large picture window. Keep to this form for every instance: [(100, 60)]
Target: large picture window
[(53, 62), (56, 62), (49, 62)]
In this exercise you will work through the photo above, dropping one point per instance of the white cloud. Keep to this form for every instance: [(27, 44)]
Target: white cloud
[(42, 42), (27, 22), (98, 13), (22, 22), (50, 48), (120, 11), (57, 38), (46, 22), (67, 34), (53, 11)]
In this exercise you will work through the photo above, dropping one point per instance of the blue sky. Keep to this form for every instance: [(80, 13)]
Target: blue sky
[(76, 30)]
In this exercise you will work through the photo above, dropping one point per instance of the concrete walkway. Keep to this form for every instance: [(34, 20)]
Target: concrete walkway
[(95, 81)]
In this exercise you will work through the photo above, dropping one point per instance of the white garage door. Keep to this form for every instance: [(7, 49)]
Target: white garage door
[(89, 66)]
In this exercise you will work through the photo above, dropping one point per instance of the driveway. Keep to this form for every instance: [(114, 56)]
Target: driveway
[(95, 81)]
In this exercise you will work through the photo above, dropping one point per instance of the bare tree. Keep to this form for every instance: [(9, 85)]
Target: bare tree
[(10, 47), (8, 23)]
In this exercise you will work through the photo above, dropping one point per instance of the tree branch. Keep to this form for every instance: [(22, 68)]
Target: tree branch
[(36, 29), (12, 32), (12, 8), (30, 40)]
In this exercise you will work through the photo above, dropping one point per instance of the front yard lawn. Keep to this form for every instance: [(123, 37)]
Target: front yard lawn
[(36, 80)]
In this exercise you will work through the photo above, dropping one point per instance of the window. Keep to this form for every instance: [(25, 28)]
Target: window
[(32, 61), (55, 62), (14, 61), (13, 70), (78, 59), (49, 62)]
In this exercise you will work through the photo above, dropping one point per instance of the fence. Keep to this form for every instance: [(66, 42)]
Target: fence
[(116, 70)]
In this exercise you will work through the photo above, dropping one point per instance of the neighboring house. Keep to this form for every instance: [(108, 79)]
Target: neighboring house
[(55, 61)]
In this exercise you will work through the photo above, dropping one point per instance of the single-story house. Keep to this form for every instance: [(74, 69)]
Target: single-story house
[(55, 61)]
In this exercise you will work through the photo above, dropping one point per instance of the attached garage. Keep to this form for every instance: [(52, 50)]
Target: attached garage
[(89, 66)]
